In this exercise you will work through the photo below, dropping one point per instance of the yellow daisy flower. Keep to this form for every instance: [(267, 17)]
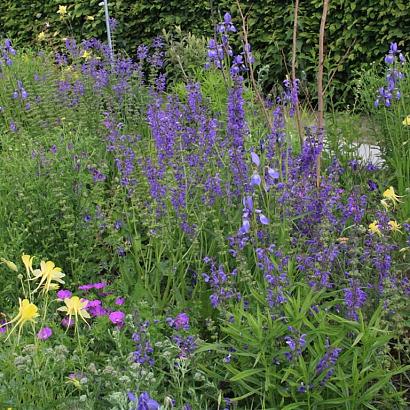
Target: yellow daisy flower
[(89, 18), (406, 121)]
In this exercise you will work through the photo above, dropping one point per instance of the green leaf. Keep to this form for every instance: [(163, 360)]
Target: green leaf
[(245, 374)]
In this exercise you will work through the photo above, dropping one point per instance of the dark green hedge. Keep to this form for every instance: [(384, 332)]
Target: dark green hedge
[(366, 26)]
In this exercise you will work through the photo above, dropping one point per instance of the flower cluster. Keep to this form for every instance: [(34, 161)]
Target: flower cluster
[(391, 91), (327, 362), (143, 353), (221, 283), (6, 53)]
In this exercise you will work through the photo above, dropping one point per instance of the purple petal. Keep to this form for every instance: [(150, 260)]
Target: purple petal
[(44, 333), (273, 173), (264, 220), (255, 180)]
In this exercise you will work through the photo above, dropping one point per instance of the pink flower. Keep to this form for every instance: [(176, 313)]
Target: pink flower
[(63, 293), (44, 333), (119, 301), (117, 318)]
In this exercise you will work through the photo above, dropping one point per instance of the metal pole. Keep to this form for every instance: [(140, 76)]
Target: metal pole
[(107, 23)]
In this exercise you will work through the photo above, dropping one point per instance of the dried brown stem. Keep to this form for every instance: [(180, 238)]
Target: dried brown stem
[(320, 121), (294, 47), (333, 73), (250, 68)]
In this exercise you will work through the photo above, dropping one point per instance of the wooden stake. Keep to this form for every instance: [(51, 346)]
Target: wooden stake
[(320, 121), (269, 121), (294, 47)]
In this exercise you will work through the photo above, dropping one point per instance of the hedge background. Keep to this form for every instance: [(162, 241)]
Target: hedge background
[(366, 26)]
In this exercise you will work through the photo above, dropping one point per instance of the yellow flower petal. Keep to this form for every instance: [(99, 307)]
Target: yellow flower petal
[(75, 307), (390, 195), (27, 313), (406, 121), (62, 10), (394, 226), (86, 54), (28, 263), (374, 228), (48, 273)]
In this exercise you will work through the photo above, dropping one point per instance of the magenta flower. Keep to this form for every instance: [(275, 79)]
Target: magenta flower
[(95, 308), (93, 303), (3, 327), (89, 286), (44, 333), (86, 287), (63, 293), (119, 301), (67, 322), (117, 318), (100, 285)]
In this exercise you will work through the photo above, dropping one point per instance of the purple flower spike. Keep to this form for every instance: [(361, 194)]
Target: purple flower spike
[(181, 321)]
